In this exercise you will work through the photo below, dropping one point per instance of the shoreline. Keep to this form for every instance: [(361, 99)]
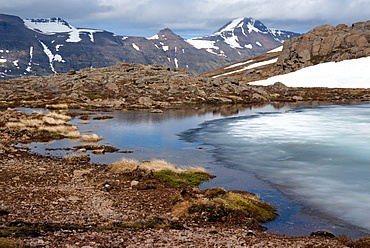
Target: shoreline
[(260, 237)]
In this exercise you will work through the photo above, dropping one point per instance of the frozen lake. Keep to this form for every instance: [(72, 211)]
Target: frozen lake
[(313, 163)]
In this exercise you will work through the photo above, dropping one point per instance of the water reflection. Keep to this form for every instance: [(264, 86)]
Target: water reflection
[(155, 135)]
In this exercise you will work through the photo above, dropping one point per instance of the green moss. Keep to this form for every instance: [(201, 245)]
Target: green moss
[(85, 117), (259, 210), (110, 149), (93, 96), (183, 178), (97, 147), (215, 192), (45, 136), (233, 208), (103, 117), (213, 212)]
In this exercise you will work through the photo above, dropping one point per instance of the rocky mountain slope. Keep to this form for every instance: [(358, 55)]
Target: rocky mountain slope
[(323, 44), (44, 46), (242, 38)]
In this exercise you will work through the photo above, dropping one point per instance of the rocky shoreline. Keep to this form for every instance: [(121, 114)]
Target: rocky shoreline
[(50, 202), (133, 86)]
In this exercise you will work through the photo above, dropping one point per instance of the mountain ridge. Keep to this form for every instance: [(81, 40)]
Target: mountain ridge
[(322, 44), (51, 45)]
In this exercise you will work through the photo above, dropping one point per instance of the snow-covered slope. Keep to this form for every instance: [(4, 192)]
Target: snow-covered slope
[(51, 26), (243, 37), (352, 73)]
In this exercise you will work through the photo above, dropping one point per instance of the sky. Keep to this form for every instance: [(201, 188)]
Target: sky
[(190, 18)]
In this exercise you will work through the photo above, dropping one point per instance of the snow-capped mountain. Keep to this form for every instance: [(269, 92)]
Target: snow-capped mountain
[(327, 56), (52, 45), (242, 38)]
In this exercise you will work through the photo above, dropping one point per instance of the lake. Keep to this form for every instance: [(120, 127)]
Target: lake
[(310, 161)]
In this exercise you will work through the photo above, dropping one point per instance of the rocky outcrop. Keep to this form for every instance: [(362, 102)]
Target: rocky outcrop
[(155, 87), (324, 44)]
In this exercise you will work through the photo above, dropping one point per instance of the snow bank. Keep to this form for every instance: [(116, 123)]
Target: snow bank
[(354, 73)]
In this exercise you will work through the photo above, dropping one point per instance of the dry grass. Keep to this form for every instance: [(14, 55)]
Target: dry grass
[(15, 125), (57, 106), (90, 138), (158, 165), (123, 166), (32, 122), (155, 165), (77, 158), (53, 121), (58, 116)]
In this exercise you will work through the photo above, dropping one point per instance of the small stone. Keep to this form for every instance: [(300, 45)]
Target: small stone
[(323, 234), (80, 173), (16, 178), (74, 198), (134, 183)]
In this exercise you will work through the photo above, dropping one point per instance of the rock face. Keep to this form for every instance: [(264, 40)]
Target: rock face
[(324, 44)]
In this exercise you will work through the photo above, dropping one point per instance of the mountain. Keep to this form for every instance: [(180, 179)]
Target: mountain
[(52, 45), (242, 38), (327, 56)]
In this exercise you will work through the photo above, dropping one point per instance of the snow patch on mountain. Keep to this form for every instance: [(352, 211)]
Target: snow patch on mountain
[(154, 37), (239, 64), (200, 44), (267, 62), (352, 73), (51, 56), (278, 49), (135, 46), (48, 26), (230, 27), (51, 26)]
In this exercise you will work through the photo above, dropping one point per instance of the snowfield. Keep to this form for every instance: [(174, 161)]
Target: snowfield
[(354, 73)]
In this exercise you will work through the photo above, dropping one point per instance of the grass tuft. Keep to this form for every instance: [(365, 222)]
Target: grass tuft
[(90, 138), (163, 171)]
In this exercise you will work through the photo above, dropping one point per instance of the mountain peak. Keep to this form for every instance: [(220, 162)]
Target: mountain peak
[(165, 34), (247, 24)]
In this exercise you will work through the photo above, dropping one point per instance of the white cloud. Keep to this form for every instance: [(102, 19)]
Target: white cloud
[(207, 15)]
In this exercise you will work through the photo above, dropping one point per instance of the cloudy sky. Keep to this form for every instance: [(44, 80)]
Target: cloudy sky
[(190, 18)]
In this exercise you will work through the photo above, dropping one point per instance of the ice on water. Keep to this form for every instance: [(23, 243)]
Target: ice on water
[(319, 155)]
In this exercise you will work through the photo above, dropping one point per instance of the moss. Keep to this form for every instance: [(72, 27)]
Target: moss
[(45, 136), (94, 96), (85, 117), (215, 192), (233, 208), (185, 178), (103, 117), (258, 210), (97, 147), (212, 212), (24, 229)]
